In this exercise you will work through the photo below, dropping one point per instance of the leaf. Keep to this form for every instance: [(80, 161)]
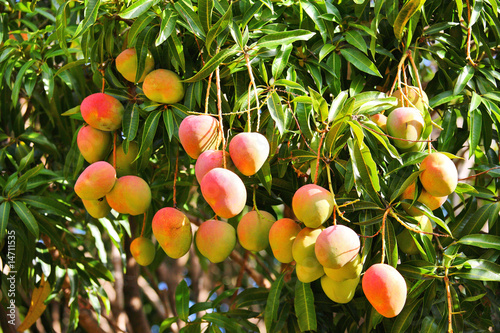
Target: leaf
[(480, 269), (475, 124), (37, 306), (396, 194), (367, 169), (275, 39), (408, 10), (19, 80), (360, 61), (281, 61), (273, 302), (168, 21), (205, 8), (69, 66), (463, 78), (25, 215), (4, 218), (149, 132), (222, 321), (276, 111), (189, 16), (315, 15), (355, 38), (48, 204), (131, 122), (138, 8), (482, 241), (304, 307), (319, 104), (405, 317), (211, 65), (182, 300), (91, 10), (337, 105), (325, 50), (144, 39), (219, 27)]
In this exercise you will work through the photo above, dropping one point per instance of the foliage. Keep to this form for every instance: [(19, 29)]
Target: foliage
[(307, 74)]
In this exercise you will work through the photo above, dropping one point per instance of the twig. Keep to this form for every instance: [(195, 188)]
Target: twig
[(383, 233), (318, 157), (469, 35), (479, 174), (219, 109), (143, 225), (252, 80), (174, 199), (448, 295), (208, 92)]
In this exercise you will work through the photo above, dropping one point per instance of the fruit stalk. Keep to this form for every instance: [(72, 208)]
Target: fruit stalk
[(219, 109), (252, 81), (448, 296), (383, 233), (208, 92)]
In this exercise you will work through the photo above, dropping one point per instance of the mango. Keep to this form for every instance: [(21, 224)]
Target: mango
[(224, 191), (198, 134), (349, 271), (413, 95), (143, 250), (253, 230), (336, 246), (281, 237), (248, 152), (381, 121), (102, 111), (94, 145), (163, 86), (313, 205), (303, 247), (126, 64), (407, 124), (425, 198), (125, 164), (340, 292), (215, 240), (97, 208), (439, 176), (172, 230), (208, 160), (407, 243), (385, 289), (309, 272), (95, 181), (130, 195)]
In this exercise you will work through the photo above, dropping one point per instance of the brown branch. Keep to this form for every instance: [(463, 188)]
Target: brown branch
[(469, 35), (448, 296), (478, 174), (257, 277)]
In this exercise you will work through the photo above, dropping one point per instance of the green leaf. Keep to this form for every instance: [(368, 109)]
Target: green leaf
[(289, 84), (4, 217), (475, 124), (355, 38), (319, 104), (408, 10), (360, 61), (405, 317), (189, 16), (205, 8), (149, 132), (19, 80), (211, 65), (273, 302), (138, 8), (304, 307), (219, 27), (367, 169), (48, 204), (182, 300), (482, 241), (144, 39), (337, 105), (275, 39), (325, 50), (276, 111), (281, 61), (131, 122), (463, 78), (222, 321), (70, 65), (396, 194), (168, 21), (91, 10), (25, 215), (480, 269), (315, 15)]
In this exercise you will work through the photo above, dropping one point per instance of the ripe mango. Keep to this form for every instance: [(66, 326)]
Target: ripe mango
[(439, 176), (95, 181), (309, 272), (253, 230), (336, 246), (349, 271), (163, 86), (172, 230), (102, 111), (303, 247), (130, 195), (281, 237), (312, 204), (198, 134), (97, 208), (94, 145), (208, 160), (126, 64), (425, 198), (248, 152), (215, 240), (407, 124), (143, 250), (340, 292)]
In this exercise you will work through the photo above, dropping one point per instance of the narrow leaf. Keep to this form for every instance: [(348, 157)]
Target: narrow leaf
[(273, 302), (182, 300), (408, 10), (360, 61), (275, 39), (304, 307), (276, 111), (211, 65), (25, 215)]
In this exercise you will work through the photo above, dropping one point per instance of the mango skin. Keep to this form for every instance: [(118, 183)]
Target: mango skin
[(103, 112), (143, 250), (381, 121), (440, 176), (224, 191), (303, 247), (94, 145), (253, 230), (130, 195), (97, 208), (349, 271), (405, 123), (126, 64), (336, 246), (208, 160), (172, 230), (125, 164), (413, 95), (215, 240), (407, 243), (309, 273), (385, 289), (95, 181), (425, 198), (313, 205), (340, 292), (281, 237), (163, 86), (249, 151), (198, 134)]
